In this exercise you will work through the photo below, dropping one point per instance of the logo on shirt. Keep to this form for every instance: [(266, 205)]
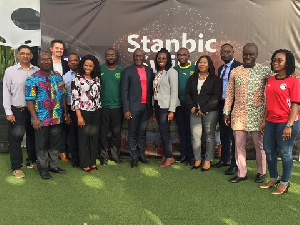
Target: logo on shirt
[(191, 73), (117, 75), (184, 74), (101, 74), (283, 86)]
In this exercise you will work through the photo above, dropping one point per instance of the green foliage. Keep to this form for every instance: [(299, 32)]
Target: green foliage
[(7, 58)]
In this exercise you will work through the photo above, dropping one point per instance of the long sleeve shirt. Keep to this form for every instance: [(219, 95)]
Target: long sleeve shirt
[(14, 86), (245, 89)]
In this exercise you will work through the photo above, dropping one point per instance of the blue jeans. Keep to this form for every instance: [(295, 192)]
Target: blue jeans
[(208, 124), (182, 116), (164, 129), (274, 131)]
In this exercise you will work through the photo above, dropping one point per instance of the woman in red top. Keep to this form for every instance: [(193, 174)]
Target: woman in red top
[(281, 121)]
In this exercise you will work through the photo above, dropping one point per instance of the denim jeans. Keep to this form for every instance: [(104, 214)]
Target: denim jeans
[(208, 124), (18, 129), (182, 115), (164, 129), (272, 141), (137, 131)]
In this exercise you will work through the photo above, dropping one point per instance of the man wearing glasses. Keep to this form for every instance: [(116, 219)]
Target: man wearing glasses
[(112, 112), (16, 111), (246, 91)]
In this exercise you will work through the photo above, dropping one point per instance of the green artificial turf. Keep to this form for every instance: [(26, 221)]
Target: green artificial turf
[(118, 194)]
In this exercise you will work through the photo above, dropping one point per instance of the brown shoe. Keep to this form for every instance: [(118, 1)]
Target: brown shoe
[(162, 161), (270, 184), (63, 157), (281, 189), (168, 162)]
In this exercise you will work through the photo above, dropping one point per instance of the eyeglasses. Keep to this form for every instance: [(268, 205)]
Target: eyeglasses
[(110, 55), (25, 53), (277, 60), (225, 52)]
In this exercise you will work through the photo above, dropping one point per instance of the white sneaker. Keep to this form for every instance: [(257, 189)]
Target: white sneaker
[(18, 174)]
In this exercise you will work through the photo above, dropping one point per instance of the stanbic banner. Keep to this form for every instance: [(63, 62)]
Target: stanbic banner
[(200, 25)]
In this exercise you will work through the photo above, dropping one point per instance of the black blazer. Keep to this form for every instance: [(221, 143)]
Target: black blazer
[(210, 94), (233, 65), (65, 66), (131, 90)]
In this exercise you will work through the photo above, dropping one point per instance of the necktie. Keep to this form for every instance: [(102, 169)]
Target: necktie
[(224, 71)]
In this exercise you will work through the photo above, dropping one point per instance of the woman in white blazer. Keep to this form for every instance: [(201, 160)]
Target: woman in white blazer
[(165, 93)]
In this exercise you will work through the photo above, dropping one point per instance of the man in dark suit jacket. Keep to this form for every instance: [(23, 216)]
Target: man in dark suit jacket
[(57, 49), (226, 133), (136, 91)]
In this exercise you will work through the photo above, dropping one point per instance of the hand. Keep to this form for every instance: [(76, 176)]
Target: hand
[(81, 122), (11, 118), (67, 119), (262, 127), (227, 120), (170, 116), (153, 116), (200, 113), (287, 133), (36, 123), (193, 110), (127, 115)]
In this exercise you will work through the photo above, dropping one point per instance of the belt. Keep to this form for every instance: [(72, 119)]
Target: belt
[(19, 107)]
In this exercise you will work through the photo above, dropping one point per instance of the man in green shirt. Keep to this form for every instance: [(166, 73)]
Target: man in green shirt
[(185, 70), (112, 113)]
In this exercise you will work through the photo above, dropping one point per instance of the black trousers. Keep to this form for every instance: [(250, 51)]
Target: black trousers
[(111, 120), (17, 130), (89, 138), (73, 136), (47, 142)]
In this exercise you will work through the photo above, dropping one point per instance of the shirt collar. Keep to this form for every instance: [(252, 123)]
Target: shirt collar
[(230, 63), (19, 66), (185, 67)]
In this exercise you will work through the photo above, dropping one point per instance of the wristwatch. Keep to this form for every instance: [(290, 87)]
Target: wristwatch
[(289, 125)]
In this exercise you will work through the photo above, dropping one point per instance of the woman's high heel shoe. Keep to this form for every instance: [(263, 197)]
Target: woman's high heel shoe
[(270, 184), (94, 167), (196, 167), (281, 189), (87, 170)]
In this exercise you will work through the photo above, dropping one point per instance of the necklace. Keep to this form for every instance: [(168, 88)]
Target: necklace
[(202, 77)]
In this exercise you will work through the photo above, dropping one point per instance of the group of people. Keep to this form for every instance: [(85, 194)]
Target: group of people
[(86, 100)]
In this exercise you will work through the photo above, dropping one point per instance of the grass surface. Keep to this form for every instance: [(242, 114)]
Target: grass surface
[(117, 194)]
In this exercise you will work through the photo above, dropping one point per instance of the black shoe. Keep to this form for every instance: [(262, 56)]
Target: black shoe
[(134, 163), (103, 162), (231, 170), (259, 178), (220, 164), (117, 160), (143, 159), (75, 164), (203, 170), (58, 170), (196, 167), (190, 162), (181, 160), (237, 179), (46, 176)]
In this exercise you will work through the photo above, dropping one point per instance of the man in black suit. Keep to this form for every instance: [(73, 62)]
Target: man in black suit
[(226, 133), (136, 91), (57, 50)]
